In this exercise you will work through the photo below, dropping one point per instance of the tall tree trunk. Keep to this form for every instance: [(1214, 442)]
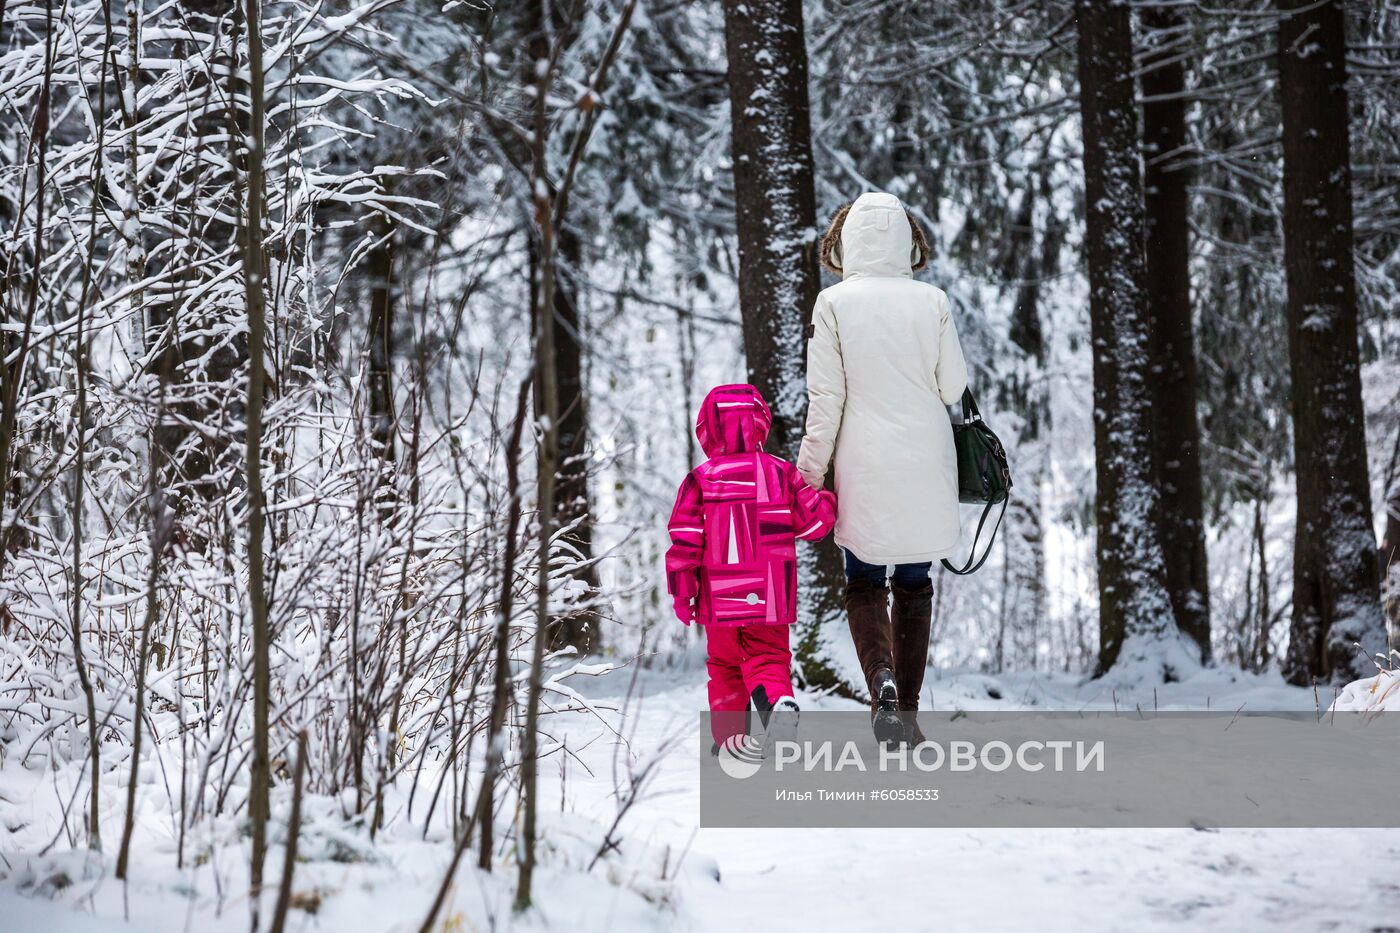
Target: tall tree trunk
[(1390, 568), (13, 371), (1024, 528), (1181, 521), (198, 381), (574, 502), (254, 281), (1026, 551), (1137, 632), (135, 270), (574, 505), (379, 267), (1265, 616), (775, 205), (289, 859), (143, 655), (550, 209), (82, 354), (1336, 583), (501, 680), (547, 406), (775, 213)]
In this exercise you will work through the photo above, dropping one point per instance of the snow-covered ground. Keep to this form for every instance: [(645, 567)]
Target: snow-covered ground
[(666, 873)]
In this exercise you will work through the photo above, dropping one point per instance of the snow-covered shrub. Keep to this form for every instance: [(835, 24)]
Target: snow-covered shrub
[(1370, 694), (123, 527)]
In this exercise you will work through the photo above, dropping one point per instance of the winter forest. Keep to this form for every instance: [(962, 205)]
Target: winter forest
[(350, 355)]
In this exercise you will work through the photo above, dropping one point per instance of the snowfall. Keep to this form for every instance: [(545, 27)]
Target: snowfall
[(666, 872)]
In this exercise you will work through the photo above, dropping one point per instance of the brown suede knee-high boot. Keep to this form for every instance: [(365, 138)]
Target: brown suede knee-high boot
[(867, 611), (913, 617)]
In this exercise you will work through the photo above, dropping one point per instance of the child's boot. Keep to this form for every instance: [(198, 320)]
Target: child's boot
[(782, 725), (759, 708), (777, 720)]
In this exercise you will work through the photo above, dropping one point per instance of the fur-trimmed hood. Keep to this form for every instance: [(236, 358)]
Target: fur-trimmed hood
[(874, 235)]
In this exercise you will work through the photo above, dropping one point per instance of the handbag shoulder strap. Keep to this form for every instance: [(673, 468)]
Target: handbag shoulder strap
[(969, 567), (970, 412)]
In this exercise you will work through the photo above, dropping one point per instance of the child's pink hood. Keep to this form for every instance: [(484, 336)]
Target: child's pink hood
[(733, 419)]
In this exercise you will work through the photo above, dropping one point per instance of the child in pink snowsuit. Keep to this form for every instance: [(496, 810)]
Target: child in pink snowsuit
[(732, 565)]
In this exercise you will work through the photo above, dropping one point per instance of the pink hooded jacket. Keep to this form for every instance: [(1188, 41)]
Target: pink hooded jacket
[(733, 555)]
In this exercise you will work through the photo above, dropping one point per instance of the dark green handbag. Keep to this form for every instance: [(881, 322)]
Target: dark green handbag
[(984, 476)]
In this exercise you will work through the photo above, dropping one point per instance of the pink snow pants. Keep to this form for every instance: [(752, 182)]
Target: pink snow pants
[(740, 659)]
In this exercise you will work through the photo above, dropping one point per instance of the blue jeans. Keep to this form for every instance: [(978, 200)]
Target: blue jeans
[(906, 576)]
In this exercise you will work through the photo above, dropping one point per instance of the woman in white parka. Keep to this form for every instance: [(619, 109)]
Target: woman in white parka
[(883, 362)]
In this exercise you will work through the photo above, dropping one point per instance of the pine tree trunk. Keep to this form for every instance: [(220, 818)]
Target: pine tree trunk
[(775, 205), (1173, 362), (1137, 632), (1336, 591), (379, 267), (574, 504), (775, 213)]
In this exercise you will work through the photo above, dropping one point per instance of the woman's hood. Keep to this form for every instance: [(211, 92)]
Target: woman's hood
[(875, 238), (733, 419)]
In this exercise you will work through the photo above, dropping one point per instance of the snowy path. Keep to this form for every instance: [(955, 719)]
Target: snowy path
[(1012, 879), (669, 874)]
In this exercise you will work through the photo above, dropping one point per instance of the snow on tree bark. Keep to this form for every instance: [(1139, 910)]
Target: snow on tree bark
[(1336, 592), (774, 202), (1138, 633), (1172, 345), (581, 628), (775, 212)]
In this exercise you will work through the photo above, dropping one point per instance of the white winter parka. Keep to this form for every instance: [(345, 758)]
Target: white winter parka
[(883, 361)]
